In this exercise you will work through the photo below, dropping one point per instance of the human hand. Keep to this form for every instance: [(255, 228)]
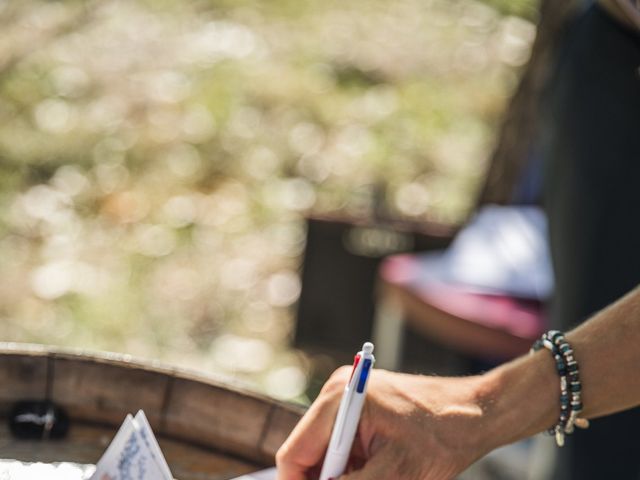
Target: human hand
[(412, 428)]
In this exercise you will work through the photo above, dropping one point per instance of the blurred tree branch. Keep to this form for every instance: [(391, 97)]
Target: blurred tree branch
[(518, 131)]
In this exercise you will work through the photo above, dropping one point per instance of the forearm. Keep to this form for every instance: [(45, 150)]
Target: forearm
[(521, 398), (607, 348), (458, 420)]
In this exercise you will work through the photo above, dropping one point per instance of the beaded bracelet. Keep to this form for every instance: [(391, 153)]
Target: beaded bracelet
[(570, 386)]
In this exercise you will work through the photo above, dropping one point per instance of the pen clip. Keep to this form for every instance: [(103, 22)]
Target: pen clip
[(356, 361), (349, 392)]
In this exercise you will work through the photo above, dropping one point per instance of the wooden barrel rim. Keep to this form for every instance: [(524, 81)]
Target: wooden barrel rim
[(179, 404)]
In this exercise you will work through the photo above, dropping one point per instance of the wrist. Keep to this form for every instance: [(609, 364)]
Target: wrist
[(518, 399)]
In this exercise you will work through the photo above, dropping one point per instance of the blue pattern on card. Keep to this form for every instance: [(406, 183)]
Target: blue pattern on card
[(128, 462)]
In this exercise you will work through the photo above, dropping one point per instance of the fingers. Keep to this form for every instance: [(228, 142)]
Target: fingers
[(378, 467), (308, 441)]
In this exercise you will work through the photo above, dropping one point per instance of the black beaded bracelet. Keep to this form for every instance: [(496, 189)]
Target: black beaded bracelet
[(570, 385)]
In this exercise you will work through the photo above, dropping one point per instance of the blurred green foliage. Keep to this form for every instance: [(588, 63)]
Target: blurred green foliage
[(157, 158), (524, 8)]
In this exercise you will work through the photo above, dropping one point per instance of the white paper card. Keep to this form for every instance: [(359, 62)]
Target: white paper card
[(146, 434), (269, 474), (133, 454)]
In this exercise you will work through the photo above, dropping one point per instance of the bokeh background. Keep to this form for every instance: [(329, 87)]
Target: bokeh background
[(158, 158)]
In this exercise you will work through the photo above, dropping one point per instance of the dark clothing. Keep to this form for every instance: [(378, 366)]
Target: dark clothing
[(591, 142)]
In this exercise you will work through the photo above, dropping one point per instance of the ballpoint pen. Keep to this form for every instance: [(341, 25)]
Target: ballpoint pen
[(346, 424)]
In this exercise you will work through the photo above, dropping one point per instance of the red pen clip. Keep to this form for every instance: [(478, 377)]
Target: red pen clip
[(356, 360)]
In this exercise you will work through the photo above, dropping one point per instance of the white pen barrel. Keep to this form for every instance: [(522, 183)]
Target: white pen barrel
[(340, 445), (348, 417), (334, 466)]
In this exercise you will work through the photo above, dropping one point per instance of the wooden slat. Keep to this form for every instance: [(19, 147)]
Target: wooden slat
[(23, 375), (105, 391), (182, 407), (281, 422), (224, 419)]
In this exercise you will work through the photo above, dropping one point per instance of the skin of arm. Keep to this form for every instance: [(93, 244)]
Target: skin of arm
[(432, 428)]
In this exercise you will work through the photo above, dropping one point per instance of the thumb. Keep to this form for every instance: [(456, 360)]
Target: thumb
[(308, 441)]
